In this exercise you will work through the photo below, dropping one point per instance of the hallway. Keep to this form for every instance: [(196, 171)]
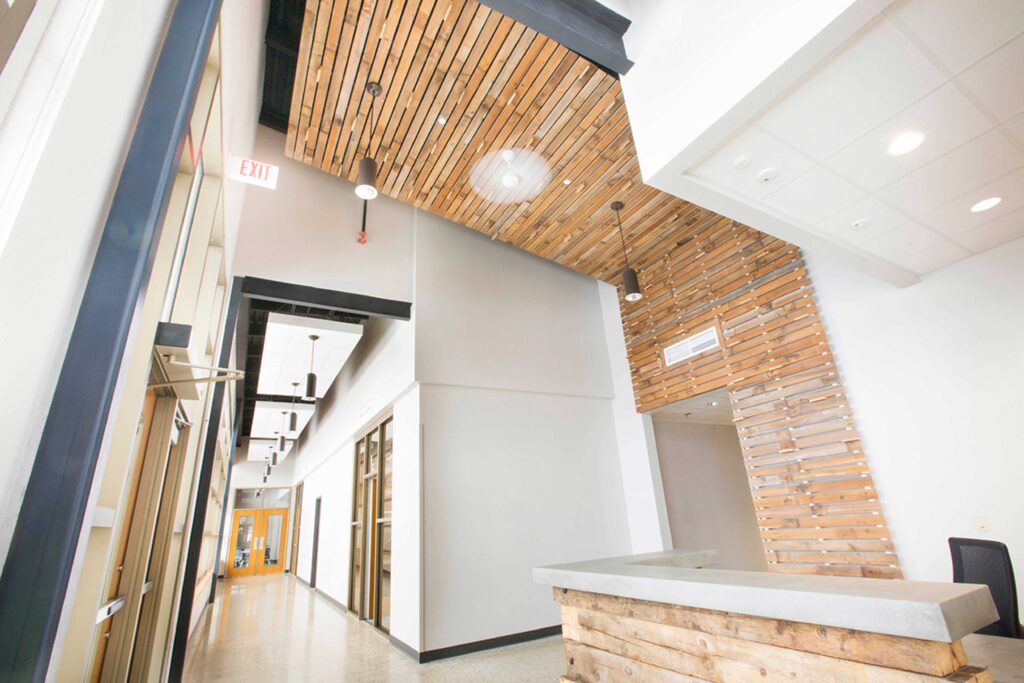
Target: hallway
[(277, 629)]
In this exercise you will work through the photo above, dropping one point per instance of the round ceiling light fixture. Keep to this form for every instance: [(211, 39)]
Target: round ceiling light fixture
[(510, 176), (904, 143), (986, 204), (768, 174), (860, 224)]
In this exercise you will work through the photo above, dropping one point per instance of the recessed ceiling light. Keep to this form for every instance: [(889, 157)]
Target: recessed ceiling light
[(904, 143), (567, 181), (768, 174), (985, 204), (712, 404), (442, 120), (740, 162), (510, 180), (860, 224)]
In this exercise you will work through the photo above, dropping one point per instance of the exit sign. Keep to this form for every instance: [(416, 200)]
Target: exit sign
[(253, 172)]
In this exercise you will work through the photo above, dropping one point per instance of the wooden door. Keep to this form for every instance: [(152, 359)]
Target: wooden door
[(243, 538), (273, 532)]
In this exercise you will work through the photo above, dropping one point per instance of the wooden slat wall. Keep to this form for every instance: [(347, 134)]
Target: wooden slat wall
[(500, 85)]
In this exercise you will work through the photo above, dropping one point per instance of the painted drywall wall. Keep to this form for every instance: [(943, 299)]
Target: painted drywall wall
[(305, 231), (50, 248), (491, 315), (512, 480), (707, 493), (638, 454), (935, 376)]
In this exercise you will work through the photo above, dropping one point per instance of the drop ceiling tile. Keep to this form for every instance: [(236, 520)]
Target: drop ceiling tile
[(260, 449), (815, 195), (994, 233), (899, 243), (1015, 127), (956, 216), (267, 418), (997, 80), (947, 119), (286, 353), (881, 217), (959, 33), (934, 257), (964, 169), (762, 151), (877, 74)]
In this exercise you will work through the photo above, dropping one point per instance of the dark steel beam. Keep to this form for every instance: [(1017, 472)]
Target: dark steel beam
[(586, 27), (271, 290), (39, 561)]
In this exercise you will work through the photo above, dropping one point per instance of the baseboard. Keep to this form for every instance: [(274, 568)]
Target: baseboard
[(407, 649), (301, 580), (477, 646), (328, 598)]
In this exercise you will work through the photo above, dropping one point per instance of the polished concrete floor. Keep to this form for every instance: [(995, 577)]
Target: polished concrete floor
[(273, 628)]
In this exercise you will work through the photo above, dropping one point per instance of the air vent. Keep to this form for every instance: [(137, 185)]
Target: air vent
[(692, 346)]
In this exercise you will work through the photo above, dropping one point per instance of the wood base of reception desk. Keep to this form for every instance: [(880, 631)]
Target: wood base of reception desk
[(609, 639)]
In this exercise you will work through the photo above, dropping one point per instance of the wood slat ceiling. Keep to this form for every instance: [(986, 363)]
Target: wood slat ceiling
[(500, 85)]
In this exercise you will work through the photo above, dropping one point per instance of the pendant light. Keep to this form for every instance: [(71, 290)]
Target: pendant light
[(630, 283), (366, 180), (273, 459), (311, 377), (282, 442), (293, 419)]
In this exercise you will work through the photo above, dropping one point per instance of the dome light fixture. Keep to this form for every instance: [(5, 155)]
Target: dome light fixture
[(630, 282), (311, 377), (366, 180)]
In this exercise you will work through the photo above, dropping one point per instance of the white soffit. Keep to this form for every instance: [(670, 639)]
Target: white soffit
[(267, 419), (260, 449), (712, 407), (286, 353), (945, 68)]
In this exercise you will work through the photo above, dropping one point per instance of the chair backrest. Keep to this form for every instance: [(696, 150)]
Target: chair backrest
[(988, 562)]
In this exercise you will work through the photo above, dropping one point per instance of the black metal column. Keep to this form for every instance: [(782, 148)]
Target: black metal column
[(39, 561)]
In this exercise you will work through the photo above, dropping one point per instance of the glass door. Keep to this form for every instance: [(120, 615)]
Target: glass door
[(383, 621), (269, 556), (244, 538), (355, 586)]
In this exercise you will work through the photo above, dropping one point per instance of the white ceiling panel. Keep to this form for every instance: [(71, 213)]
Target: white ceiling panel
[(948, 120), (966, 168), (994, 233), (880, 216), (267, 418), (1015, 127), (956, 217), (286, 353), (260, 449), (997, 80), (878, 74), (712, 407), (934, 257), (814, 196), (903, 241), (761, 151), (957, 32)]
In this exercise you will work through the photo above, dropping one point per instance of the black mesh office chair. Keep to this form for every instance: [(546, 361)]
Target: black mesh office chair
[(988, 562)]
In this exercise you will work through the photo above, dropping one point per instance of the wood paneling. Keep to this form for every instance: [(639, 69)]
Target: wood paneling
[(611, 638), (500, 85)]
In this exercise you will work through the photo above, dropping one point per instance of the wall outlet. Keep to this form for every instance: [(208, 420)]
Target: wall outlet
[(981, 523)]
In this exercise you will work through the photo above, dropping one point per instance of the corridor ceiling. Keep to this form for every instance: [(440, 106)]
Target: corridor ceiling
[(461, 81)]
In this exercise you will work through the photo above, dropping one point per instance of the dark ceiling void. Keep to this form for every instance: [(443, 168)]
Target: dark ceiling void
[(284, 31), (586, 27), (259, 311)]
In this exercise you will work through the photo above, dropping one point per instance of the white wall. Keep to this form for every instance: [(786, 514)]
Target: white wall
[(305, 231), (520, 457), (49, 250), (935, 375), (707, 492)]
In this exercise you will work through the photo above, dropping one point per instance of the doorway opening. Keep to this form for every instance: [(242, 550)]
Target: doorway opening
[(707, 492), (370, 571)]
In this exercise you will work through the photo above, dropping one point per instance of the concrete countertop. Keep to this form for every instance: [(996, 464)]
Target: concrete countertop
[(913, 609)]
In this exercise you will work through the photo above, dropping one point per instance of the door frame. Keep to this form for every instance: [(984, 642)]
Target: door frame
[(316, 542)]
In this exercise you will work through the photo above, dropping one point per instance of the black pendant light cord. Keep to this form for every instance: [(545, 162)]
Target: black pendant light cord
[(617, 206), (374, 89)]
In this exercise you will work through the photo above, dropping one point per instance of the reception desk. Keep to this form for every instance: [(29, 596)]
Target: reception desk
[(674, 616)]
